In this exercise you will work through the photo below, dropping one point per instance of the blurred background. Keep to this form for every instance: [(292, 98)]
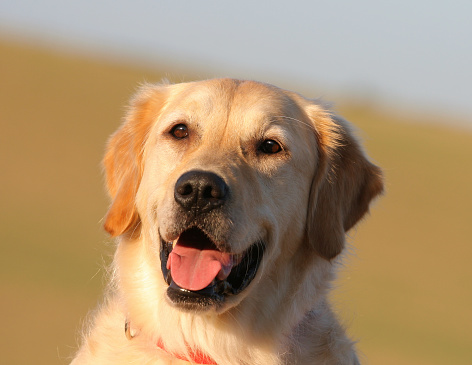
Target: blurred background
[(399, 70)]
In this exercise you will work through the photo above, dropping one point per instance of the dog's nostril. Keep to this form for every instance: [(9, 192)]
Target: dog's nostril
[(216, 192), (185, 189)]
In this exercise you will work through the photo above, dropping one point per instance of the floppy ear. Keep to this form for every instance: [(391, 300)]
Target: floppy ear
[(343, 187), (123, 160)]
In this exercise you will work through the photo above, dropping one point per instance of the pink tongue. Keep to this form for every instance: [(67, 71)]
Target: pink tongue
[(195, 269)]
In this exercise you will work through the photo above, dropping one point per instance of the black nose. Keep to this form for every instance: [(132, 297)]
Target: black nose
[(200, 191)]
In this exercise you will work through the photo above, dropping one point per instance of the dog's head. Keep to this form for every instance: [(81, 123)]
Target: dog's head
[(226, 181)]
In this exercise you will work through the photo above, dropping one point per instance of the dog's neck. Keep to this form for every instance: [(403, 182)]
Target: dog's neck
[(193, 356)]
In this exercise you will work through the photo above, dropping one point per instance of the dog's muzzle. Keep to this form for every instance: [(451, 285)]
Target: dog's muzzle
[(200, 273)]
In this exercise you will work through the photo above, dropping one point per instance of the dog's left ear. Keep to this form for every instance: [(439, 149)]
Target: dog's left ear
[(344, 185), (123, 160)]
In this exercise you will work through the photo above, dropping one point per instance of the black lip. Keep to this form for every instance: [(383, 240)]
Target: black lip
[(215, 294)]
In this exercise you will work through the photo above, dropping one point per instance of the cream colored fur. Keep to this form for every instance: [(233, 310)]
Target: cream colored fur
[(300, 202)]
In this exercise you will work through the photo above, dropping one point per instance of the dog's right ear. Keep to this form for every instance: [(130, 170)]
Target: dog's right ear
[(344, 185), (123, 162)]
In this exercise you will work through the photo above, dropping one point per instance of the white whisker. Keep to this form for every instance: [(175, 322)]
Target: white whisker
[(306, 124)]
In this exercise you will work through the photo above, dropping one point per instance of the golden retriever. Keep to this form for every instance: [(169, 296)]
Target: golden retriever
[(230, 204)]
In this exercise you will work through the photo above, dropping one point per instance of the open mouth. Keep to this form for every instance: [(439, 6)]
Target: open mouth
[(201, 275)]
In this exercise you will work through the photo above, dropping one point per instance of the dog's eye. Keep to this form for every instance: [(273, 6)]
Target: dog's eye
[(179, 131), (269, 146)]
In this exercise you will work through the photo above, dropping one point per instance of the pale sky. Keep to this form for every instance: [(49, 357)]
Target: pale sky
[(410, 53)]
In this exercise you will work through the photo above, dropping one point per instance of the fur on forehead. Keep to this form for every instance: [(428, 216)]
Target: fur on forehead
[(224, 94)]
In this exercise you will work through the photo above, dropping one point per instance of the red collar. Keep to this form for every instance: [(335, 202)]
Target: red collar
[(195, 356)]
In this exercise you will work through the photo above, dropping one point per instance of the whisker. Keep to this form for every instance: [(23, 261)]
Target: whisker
[(306, 124)]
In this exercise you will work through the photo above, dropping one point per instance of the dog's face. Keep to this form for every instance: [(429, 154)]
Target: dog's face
[(227, 181)]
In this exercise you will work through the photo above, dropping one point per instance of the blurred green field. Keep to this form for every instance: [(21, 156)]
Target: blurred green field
[(405, 292)]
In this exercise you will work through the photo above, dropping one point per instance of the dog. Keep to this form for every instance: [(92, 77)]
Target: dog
[(230, 201)]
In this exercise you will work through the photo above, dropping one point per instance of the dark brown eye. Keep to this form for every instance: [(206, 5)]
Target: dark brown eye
[(269, 146), (179, 131)]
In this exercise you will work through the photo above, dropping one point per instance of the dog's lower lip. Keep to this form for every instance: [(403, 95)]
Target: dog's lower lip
[(239, 278)]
